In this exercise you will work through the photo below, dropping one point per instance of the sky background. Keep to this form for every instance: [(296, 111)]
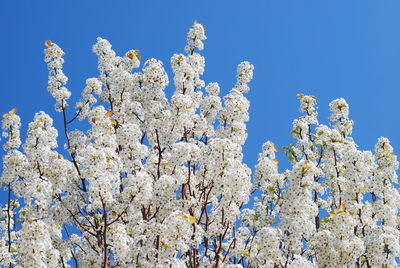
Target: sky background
[(329, 49)]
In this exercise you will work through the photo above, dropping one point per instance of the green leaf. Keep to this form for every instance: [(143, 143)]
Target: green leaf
[(271, 189), (245, 254), (326, 220)]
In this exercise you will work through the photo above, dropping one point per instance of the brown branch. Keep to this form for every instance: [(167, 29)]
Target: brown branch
[(158, 147), (76, 116), (105, 226), (9, 221), (72, 154)]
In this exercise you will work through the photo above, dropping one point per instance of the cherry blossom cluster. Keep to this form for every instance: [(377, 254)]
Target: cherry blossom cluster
[(151, 181), (337, 206)]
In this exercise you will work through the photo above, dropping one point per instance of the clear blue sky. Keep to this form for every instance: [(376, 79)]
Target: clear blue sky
[(329, 49)]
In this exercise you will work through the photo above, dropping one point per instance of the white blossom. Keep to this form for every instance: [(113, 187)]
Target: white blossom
[(157, 181)]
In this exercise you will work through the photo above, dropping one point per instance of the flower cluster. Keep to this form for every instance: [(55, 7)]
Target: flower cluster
[(337, 207), (53, 56), (153, 181)]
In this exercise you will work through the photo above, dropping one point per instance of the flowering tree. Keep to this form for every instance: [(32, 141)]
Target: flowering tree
[(161, 183)]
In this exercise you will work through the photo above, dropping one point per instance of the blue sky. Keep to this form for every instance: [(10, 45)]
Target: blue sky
[(329, 49)]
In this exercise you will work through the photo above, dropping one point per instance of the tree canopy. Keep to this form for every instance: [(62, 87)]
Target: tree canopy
[(158, 182)]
